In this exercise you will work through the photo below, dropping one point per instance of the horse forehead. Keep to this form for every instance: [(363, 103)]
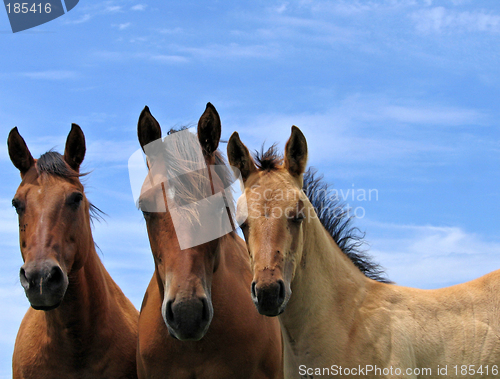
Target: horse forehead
[(279, 191), (53, 184)]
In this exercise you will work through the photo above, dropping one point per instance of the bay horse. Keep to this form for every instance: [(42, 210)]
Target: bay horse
[(197, 319), (340, 317), (80, 324)]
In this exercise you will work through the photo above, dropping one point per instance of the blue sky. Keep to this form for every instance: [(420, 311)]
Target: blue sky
[(398, 96)]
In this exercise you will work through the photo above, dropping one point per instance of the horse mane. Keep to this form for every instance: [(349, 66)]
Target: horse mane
[(332, 213), (53, 163), (336, 219), (268, 160)]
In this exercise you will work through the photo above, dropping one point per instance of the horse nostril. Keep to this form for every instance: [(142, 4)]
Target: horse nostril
[(254, 291), (169, 314), (206, 310), (55, 275), (24, 280), (282, 292)]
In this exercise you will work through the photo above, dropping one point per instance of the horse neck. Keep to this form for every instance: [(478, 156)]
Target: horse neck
[(87, 299), (326, 289)]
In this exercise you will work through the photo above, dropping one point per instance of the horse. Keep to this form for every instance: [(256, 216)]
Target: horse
[(339, 314), (80, 324), (197, 319)]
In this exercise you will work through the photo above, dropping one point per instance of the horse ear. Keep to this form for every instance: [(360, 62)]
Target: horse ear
[(209, 130), (296, 152), (148, 129), (19, 152), (240, 157), (74, 152)]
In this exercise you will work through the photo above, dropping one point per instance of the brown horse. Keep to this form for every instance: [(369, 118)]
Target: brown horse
[(197, 319), (343, 318), (80, 324)]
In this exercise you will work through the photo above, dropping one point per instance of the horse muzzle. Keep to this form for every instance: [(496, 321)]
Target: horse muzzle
[(44, 283), (188, 319), (270, 298)]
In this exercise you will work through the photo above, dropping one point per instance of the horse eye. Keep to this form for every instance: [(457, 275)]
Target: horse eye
[(75, 199), (298, 218), (16, 203), (146, 214)]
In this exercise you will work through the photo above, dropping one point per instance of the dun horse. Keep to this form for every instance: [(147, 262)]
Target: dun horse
[(336, 320), (80, 324), (197, 319)]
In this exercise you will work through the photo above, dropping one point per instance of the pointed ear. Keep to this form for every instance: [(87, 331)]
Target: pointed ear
[(74, 152), (240, 157), (209, 130), (296, 153), (19, 152), (148, 129)]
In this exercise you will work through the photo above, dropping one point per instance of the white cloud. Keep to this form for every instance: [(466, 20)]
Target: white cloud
[(171, 31), (428, 256), (432, 115), (86, 17), (282, 8), (441, 19), (152, 57), (367, 128), (232, 50), (169, 58), (138, 7), (123, 26), (113, 9), (138, 39)]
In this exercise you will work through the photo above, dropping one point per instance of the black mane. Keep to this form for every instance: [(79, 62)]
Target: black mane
[(335, 217), (268, 160), (53, 163)]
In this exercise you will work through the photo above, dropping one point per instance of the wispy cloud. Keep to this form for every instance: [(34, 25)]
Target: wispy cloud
[(169, 58), (171, 31), (101, 9), (441, 19), (432, 115), (382, 128), (122, 26), (138, 7), (86, 17), (232, 50), (438, 256), (121, 56), (113, 9), (51, 75)]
